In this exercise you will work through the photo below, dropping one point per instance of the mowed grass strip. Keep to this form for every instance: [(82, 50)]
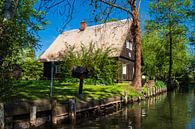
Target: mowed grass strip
[(34, 90)]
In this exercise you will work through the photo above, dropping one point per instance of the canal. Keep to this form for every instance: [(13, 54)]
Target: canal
[(174, 110)]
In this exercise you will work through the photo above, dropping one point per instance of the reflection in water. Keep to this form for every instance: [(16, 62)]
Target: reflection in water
[(168, 111)]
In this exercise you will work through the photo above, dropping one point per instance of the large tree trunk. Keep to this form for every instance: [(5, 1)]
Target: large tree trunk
[(136, 33)]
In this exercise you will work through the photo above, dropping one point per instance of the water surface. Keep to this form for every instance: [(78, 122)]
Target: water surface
[(168, 111)]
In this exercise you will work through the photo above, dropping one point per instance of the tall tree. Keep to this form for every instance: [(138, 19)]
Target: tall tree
[(19, 23), (167, 15), (105, 7), (155, 55)]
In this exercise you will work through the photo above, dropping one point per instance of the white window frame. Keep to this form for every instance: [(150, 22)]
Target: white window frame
[(124, 69), (129, 45), (129, 54), (57, 69)]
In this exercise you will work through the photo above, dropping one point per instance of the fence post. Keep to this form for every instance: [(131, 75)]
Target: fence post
[(53, 113), (2, 119), (150, 92), (72, 110), (117, 106), (33, 113), (125, 98)]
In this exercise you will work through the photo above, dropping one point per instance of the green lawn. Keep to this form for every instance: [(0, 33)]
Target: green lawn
[(33, 90)]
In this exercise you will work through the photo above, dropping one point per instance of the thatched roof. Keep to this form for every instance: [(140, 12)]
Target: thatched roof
[(112, 34)]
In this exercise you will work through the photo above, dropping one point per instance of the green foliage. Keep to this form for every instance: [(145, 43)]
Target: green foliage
[(159, 83), (102, 68), (191, 68), (155, 54), (31, 68), (19, 24), (166, 33)]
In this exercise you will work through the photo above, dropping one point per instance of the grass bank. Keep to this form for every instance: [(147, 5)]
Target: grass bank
[(33, 90)]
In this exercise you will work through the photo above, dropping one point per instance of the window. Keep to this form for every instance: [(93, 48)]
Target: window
[(129, 54), (124, 67), (57, 69), (129, 45)]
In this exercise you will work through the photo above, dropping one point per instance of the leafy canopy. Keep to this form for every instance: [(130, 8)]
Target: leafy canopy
[(19, 23), (169, 19)]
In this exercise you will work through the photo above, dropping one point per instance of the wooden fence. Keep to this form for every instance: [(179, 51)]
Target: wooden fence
[(39, 112)]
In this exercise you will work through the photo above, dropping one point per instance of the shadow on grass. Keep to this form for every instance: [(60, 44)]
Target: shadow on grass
[(33, 90)]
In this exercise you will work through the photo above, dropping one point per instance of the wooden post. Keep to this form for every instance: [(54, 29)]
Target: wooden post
[(117, 106), (53, 113), (125, 98), (121, 101), (156, 90), (151, 91), (51, 81), (148, 93), (2, 119), (81, 86), (72, 110), (9, 122), (33, 112)]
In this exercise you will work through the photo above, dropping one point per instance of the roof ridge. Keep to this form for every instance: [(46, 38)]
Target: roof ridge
[(99, 25)]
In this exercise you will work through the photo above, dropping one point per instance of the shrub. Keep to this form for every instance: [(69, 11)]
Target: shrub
[(101, 67), (160, 84)]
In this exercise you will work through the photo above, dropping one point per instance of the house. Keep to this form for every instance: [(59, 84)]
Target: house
[(112, 34)]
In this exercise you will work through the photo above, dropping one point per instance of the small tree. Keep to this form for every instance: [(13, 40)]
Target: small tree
[(28, 64), (101, 67)]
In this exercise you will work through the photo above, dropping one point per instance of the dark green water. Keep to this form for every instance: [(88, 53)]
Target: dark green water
[(168, 111)]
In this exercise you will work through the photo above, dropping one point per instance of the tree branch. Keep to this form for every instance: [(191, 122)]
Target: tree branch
[(139, 5), (116, 6)]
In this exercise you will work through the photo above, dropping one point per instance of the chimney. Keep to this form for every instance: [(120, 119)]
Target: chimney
[(83, 25)]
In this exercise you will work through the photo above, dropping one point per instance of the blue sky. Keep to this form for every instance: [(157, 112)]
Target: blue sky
[(49, 34)]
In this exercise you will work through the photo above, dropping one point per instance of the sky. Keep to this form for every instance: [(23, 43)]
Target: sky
[(51, 31)]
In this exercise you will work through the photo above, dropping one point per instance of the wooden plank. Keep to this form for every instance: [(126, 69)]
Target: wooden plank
[(61, 110), (72, 110), (20, 108), (16, 108), (33, 112), (53, 115)]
